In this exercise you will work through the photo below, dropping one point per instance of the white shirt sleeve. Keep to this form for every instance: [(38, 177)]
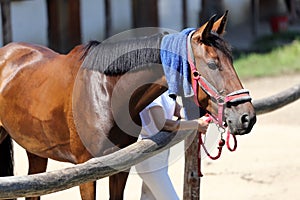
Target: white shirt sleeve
[(168, 105)]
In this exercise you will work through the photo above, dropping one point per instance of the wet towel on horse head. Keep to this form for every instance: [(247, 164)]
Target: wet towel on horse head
[(175, 63), (174, 58)]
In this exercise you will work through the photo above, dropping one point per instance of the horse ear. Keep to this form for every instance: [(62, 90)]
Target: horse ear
[(205, 30), (220, 24)]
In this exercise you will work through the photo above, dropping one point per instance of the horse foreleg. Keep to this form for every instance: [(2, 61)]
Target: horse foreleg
[(88, 191), (36, 165), (117, 184)]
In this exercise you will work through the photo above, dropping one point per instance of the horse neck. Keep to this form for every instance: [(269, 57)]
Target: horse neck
[(134, 63), (103, 103)]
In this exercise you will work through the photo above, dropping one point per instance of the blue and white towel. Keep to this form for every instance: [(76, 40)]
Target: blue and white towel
[(175, 63)]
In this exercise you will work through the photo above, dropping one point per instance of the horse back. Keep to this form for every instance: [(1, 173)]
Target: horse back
[(36, 86)]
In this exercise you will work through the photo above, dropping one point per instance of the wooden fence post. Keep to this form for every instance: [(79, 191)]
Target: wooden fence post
[(108, 25), (64, 30), (145, 13), (6, 22), (184, 14), (191, 189)]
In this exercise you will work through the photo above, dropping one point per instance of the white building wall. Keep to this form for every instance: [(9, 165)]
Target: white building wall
[(29, 22), (170, 14), (194, 8), (121, 15), (239, 11), (92, 20), (29, 18)]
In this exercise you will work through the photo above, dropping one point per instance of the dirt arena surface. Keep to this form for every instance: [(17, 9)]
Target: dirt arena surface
[(266, 165)]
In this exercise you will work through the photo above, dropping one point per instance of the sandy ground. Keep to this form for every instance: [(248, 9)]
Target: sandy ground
[(265, 166)]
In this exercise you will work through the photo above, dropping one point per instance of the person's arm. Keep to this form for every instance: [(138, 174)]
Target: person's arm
[(171, 125), (177, 110)]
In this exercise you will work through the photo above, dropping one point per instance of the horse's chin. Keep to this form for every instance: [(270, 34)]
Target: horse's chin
[(240, 129), (235, 131)]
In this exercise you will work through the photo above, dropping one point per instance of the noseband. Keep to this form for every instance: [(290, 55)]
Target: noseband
[(235, 97)]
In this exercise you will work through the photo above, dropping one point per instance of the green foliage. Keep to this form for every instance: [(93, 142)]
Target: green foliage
[(275, 60)]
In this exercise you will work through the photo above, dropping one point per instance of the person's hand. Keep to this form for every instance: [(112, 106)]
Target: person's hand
[(203, 123)]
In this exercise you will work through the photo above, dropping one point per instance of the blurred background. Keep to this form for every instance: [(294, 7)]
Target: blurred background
[(61, 24), (259, 26), (265, 39)]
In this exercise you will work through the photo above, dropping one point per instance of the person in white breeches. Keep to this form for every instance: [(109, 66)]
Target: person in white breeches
[(157, 184)]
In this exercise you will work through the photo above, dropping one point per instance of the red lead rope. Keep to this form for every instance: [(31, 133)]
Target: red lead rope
[(220, 147), (234, 142)]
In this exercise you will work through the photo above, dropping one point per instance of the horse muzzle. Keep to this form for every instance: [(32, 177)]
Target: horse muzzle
[(240, 118)]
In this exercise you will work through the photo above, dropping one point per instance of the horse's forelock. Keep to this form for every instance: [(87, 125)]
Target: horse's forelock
[(220, 44)]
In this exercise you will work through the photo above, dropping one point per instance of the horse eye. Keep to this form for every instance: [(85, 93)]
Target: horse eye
[(212, 65)]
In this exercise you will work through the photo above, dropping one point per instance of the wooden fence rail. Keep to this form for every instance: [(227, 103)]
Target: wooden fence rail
[(96, 168), (278, 100)]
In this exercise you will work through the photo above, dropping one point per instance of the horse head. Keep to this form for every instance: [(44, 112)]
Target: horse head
[(215, 82)]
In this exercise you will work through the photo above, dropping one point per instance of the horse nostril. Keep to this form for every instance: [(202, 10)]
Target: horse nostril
[(245, 119)]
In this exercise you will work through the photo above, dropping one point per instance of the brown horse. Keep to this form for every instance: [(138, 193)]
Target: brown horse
[(84, 104)]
